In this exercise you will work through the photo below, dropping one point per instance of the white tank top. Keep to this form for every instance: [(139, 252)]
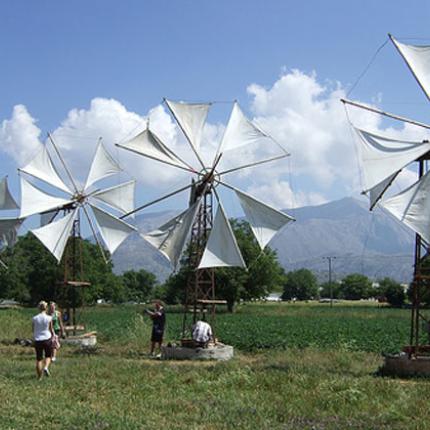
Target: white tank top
[(41, 326)]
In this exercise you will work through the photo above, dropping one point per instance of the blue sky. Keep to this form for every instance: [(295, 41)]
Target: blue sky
[(280, 59)]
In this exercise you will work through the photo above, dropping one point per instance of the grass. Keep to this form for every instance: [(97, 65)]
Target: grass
[(118, 387)]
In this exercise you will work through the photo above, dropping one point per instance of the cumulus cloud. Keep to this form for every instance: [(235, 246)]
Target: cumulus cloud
[(277, 193), (301, 113), (78, 134), (307, 117), (19, 135)]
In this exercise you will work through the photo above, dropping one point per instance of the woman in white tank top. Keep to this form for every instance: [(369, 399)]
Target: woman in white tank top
[(42, 334)]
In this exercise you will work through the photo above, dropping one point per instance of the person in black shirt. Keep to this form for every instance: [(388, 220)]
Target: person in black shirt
[(158, 322)]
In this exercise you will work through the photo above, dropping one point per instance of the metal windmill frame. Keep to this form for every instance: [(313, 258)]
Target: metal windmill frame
[(200, 289), (63, 237), (421, 275)]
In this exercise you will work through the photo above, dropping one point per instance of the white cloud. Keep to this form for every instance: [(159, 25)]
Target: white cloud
[(280, 195), (19, 135), (78, 134), (303, 114)]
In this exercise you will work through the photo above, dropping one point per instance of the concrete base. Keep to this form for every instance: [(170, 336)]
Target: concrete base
[(82, 341), (212, 352), (403, 366)]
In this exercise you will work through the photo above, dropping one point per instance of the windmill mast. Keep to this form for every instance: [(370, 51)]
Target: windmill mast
[(420, 280), (200, 287), (73, 274)]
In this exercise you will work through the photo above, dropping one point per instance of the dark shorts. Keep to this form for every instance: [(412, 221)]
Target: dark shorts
[(43, 346), (157, 335)]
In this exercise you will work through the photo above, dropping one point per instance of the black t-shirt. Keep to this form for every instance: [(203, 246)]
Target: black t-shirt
[(159, 320)]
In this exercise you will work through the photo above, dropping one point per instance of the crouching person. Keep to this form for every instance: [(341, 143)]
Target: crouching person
[(202, 334), (42, 334)]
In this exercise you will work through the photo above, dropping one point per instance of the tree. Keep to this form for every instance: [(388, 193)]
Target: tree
[(264, 273), (392, 291), (138, 285), (325, 290), (300, 284), (33, 274), (356, 287)]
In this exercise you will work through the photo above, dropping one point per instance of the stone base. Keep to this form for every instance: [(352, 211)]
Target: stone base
[(82, 341), (212, 352), (403, 366)]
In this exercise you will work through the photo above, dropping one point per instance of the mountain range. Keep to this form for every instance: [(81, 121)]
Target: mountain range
[(371, 243)]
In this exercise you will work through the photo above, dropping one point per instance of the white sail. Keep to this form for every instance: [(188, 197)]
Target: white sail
[(41, 167), (112, 230), (221, 249), (240, 131), (55, 235), (103, 165), (7, 202), (418, 60), (120, 197), (412, 207), (171, 237), (191, 118), (264, 220), (48, 217), (381, 157), (149, 145), (9, 231), (34, 200), (376, 193)]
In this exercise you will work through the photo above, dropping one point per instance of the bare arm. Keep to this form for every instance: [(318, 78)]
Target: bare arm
[(60, 319)]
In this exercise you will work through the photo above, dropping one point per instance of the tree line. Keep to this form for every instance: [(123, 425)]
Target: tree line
[(33, 274)]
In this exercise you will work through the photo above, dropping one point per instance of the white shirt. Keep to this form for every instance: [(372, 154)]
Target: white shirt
[(41, 326), (202, 332)]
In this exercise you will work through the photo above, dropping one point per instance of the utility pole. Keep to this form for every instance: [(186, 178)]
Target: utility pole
[(329, 259)]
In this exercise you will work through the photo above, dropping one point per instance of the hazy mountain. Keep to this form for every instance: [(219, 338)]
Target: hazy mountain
[(372, 243)]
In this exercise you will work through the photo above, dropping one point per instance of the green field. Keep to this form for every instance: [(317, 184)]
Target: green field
[(301, 366)]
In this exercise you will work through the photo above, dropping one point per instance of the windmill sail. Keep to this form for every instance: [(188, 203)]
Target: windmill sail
[(41, 167), (376, 193), (191, 118), (7, 202), (171, 237), (120, 197), (34, 200), (9, 231), (412, 207), (55, 235), (221, 249), (103, 165), (418, 60), (240, 131), (264, 220), (149, 145), (113, 231), (382, 159)]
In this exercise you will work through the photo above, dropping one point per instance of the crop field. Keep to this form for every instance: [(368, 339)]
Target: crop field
[(301, 366)]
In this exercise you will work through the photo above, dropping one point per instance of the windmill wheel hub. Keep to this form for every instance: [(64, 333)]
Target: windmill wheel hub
[(209, 177), (79, 198)]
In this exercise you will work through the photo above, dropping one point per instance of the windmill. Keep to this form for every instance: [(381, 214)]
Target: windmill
[(8, 226), (212, 242), (61, 216), (382, 158)]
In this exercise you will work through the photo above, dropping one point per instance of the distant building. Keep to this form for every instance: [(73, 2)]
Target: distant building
[(273, 297)]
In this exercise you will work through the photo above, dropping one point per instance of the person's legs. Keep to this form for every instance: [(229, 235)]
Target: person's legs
[(48, 353), (152, 347), (39, 358), (39, 367)]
